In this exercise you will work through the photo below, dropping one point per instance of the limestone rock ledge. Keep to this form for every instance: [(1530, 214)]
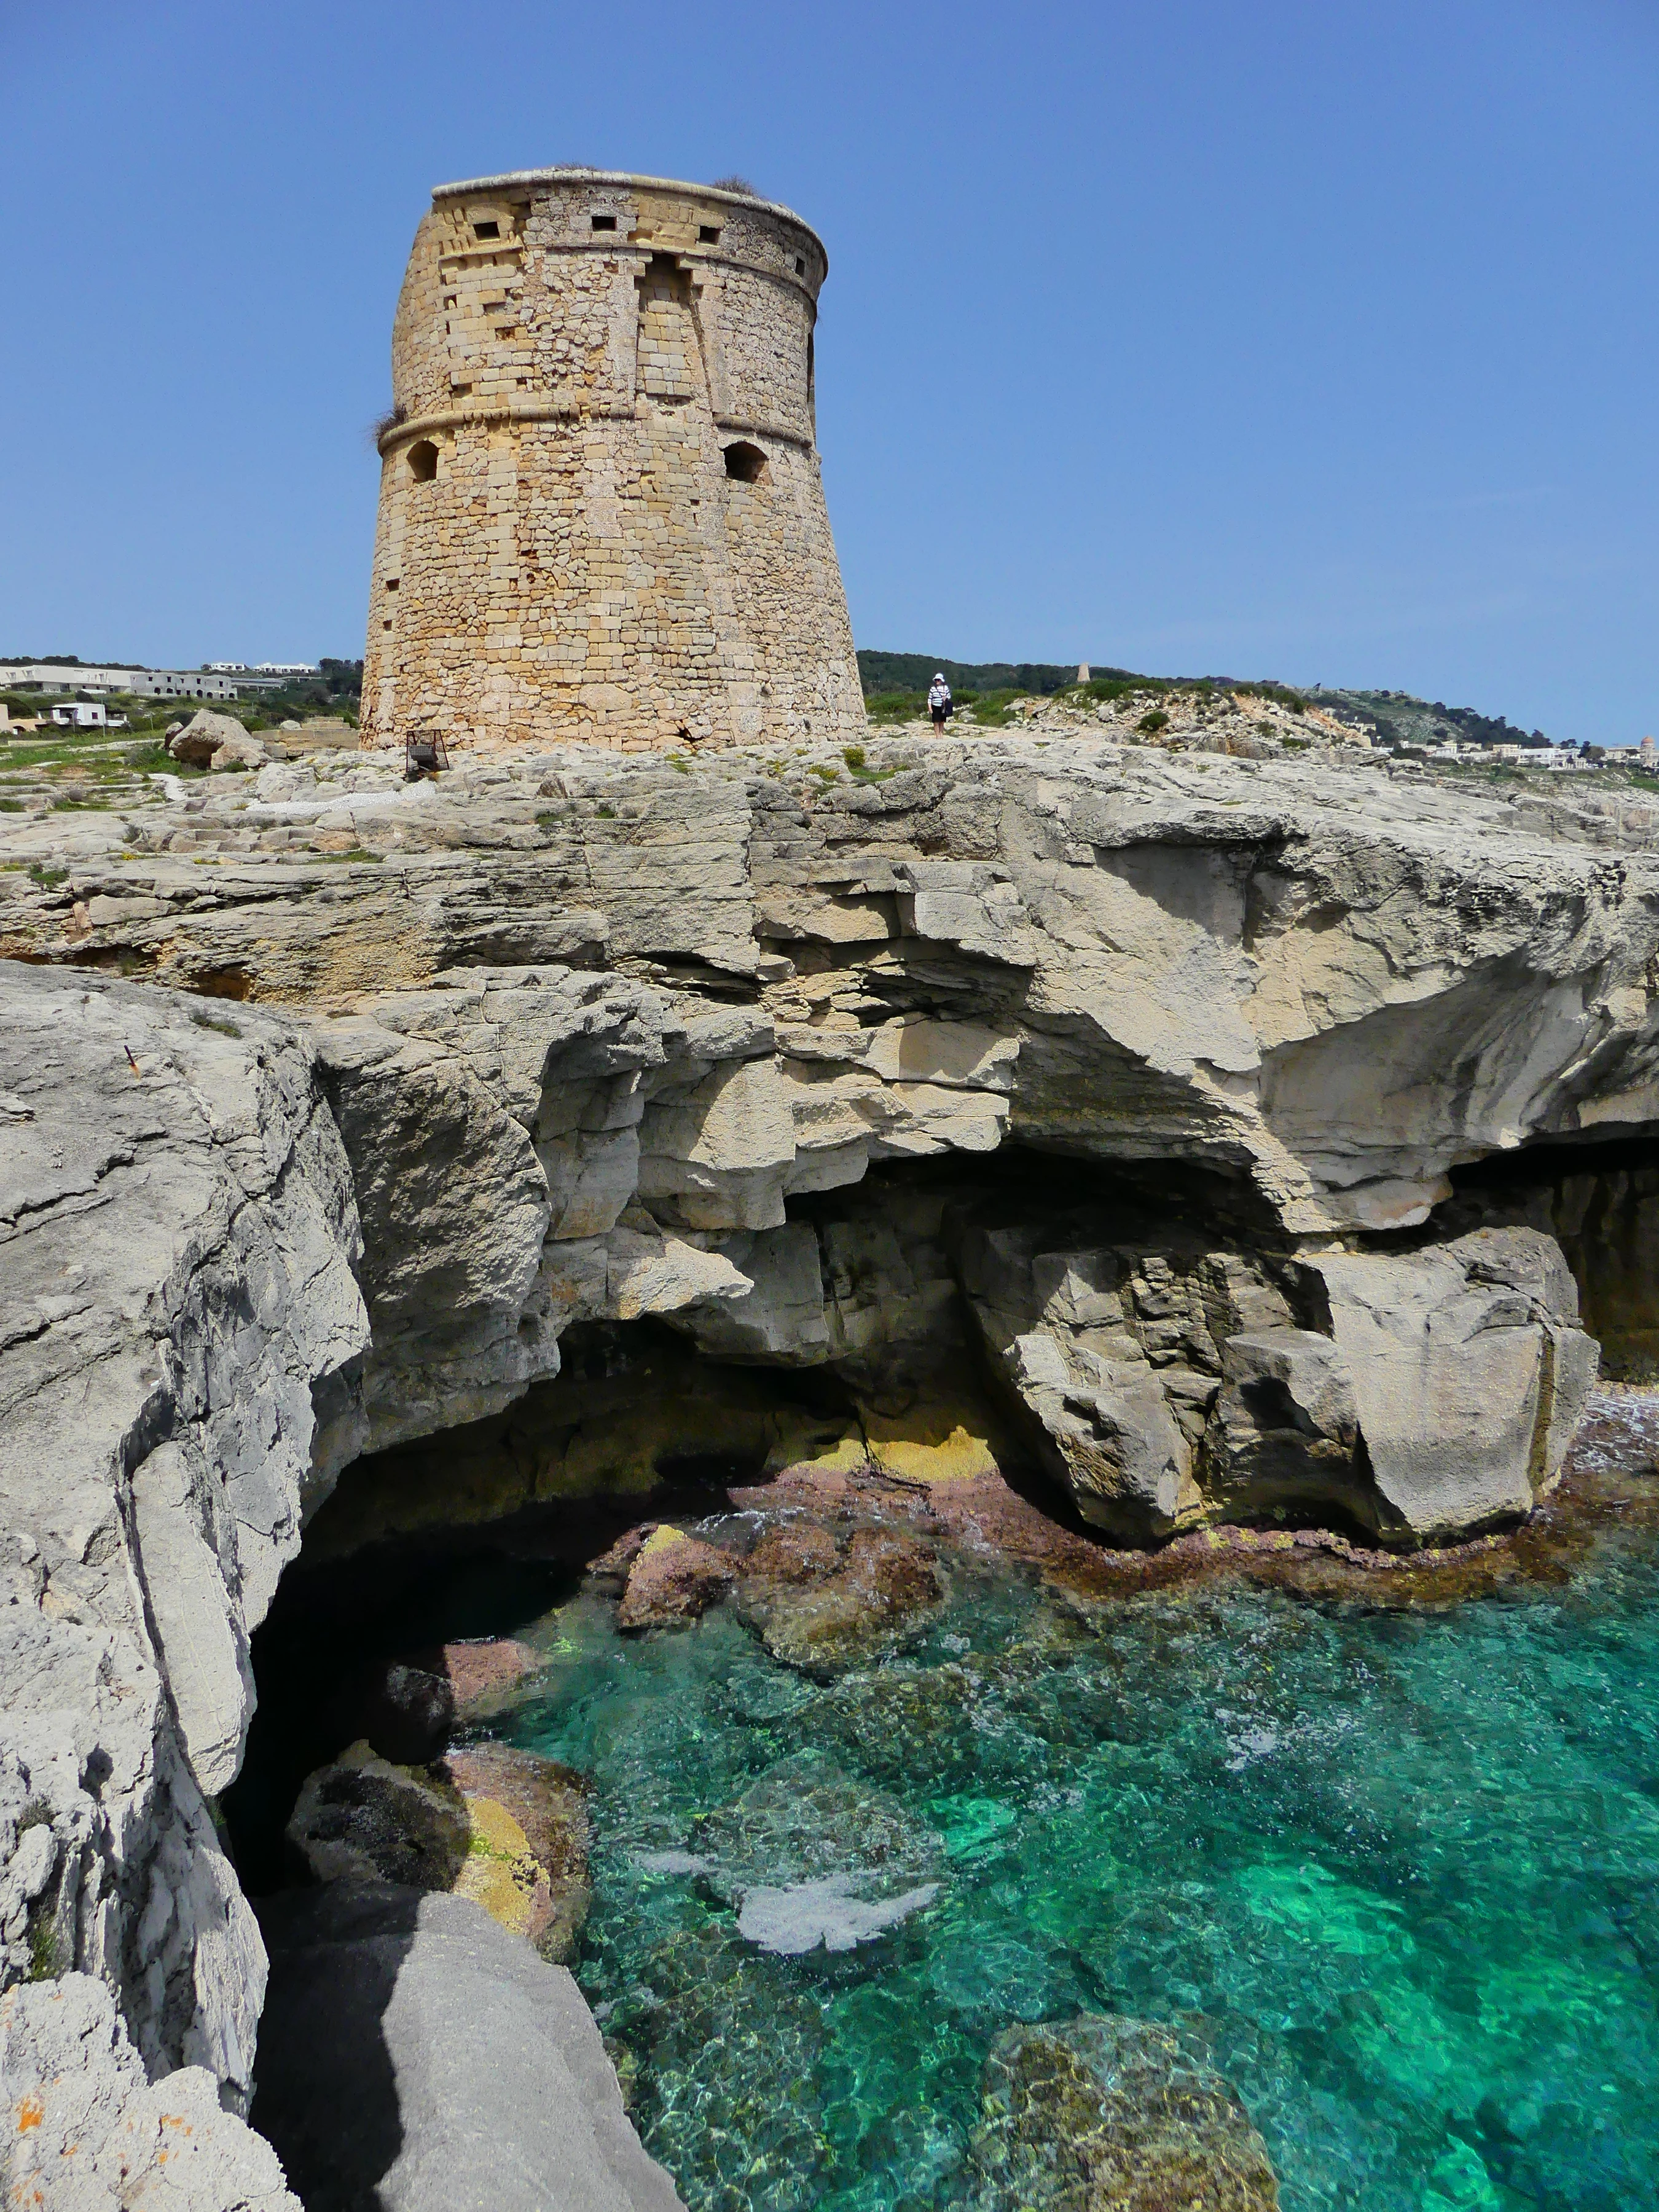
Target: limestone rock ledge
[(447, 1069), (178, 1237)]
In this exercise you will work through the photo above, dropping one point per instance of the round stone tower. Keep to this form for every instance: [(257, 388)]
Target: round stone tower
[(601, 512)]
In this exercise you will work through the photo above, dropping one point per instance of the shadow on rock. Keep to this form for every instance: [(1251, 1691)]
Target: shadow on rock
[(413, 2057)]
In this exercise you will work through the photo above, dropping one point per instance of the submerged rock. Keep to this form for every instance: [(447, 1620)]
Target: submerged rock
[(822, 1608), (809, 1857), (482, 1674), (1103, 2114), (673, 1580)]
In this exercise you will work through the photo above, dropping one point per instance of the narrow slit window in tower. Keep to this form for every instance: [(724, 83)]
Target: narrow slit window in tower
[(745, 462), (423, 460), (800, 266)]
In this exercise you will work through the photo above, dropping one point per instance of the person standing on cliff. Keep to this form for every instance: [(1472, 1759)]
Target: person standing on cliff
[(938, 699)]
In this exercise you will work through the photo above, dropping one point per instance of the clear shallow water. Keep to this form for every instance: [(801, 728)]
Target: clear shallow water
[(1396, 1873)]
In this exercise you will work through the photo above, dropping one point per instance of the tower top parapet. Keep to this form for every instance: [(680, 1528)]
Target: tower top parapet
[(531, 180)]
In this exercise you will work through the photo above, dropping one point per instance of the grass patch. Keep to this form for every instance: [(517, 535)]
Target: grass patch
[(605, 813), (825, 775), (679, 762), (157, 760), (1296, 745), (12, 806), (213, 1022), (48, 878)]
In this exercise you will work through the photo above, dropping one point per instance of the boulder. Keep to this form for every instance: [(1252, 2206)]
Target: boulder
[(416, 2057), (199, 742), (363, 1819), (673, 1579), (481, 1673), (547, 1805), (1427, 1394), (503, 1828)]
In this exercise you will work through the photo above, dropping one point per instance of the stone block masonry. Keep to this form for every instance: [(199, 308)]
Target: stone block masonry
[(602, 518)]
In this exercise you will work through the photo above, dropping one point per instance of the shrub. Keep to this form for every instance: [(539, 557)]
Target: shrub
[(897, 706), (1149, 724)]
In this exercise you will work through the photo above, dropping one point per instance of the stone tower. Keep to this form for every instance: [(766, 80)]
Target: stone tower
[(601, 514)]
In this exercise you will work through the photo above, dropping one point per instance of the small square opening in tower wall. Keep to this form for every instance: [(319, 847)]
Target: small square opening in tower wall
[(708, 233), (604, 222), (486, 230)]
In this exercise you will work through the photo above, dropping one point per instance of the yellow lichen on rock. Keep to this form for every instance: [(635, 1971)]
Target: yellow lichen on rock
[(958, 1457), (500, 1871), (662, 1537)]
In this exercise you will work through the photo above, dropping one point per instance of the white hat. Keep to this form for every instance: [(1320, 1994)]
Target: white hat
[(938, 676)]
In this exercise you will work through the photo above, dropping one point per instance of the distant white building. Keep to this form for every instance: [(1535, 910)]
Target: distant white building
[(146, 682), (80, 714), (1557, 758), (286, 668)]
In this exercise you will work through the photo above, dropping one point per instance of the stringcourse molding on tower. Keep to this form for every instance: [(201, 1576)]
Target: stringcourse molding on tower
[(602, 518)]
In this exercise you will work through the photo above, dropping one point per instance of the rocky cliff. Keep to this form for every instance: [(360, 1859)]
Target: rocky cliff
[(1051, 1096)]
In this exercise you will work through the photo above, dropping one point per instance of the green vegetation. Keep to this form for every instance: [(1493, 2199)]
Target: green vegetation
[(1279, 693), (213, 1022), (43, 1946), (896, 705), (1151, 724), (157, 760), (909, 674), (48, 878), (605, 813)]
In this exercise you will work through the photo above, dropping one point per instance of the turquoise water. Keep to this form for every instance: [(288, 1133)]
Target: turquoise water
[(1395, 1873)]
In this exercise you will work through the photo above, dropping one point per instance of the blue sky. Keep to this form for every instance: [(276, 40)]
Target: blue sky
[(1311, 341)]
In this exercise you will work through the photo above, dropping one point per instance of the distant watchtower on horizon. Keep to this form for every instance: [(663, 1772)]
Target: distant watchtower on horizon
[(601, 514)]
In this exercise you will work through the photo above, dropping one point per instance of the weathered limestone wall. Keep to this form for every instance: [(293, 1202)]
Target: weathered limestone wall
[(564, 550)]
